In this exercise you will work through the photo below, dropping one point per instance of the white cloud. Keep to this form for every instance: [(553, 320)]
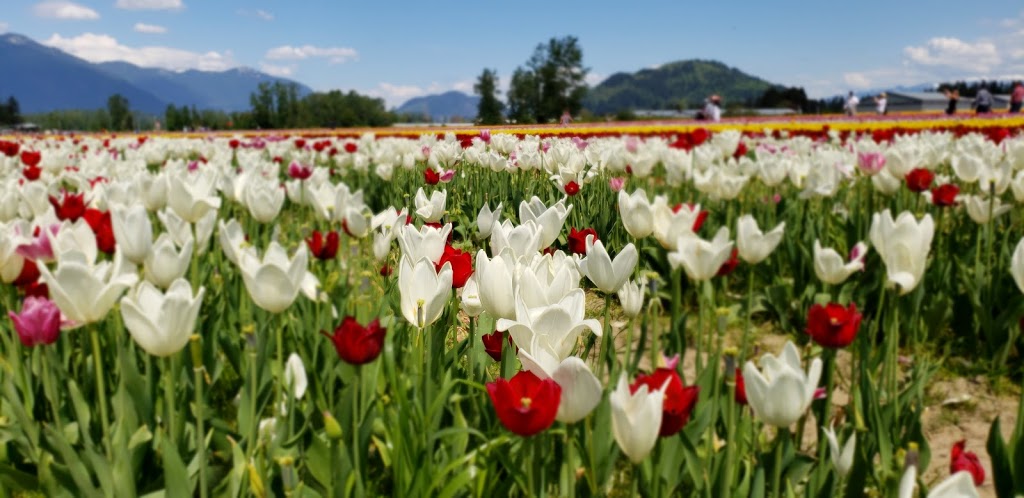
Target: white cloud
[(105, 48), (58, 9), (3, 27), (336, 55), (150, 4), (858, 81), (266, 16), (279, 71), (955, 54), (149, 29), (593, 79), (464, 86)]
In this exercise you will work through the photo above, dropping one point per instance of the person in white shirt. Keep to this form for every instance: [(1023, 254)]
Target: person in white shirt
[(881, 103), (713, 110), (851, 104)]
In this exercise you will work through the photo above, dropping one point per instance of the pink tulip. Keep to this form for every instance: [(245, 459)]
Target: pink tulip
[(871, 162), (485, 135), (447, 175), (39, 249), (38, 323), (616, 183)]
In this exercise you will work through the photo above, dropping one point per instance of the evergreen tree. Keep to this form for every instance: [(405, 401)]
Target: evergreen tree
[(490, 108), (553, 81), (120, 113)]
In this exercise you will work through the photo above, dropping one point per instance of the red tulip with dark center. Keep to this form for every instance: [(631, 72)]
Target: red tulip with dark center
[(351, 148), (578, 240), (945, 195), (526, 405), (919, 179), (679, 400), (355, 343), (462, 265), (323, 248), (572, 188), (966, 460), (29, 274), (833, 325), (70, 207)]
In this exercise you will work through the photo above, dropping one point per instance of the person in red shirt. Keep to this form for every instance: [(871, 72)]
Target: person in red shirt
[(1017, 97)]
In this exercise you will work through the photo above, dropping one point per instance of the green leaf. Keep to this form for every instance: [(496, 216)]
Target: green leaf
[(176, 481), (1002, 473)]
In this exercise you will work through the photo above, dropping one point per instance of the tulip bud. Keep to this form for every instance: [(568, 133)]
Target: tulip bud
[(332, 427)]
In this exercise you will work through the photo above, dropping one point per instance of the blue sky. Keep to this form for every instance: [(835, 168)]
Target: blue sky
[(402, 49)]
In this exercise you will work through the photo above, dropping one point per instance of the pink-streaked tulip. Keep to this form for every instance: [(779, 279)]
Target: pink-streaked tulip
[(830, 267), (616, 183), (300, 171), (38, 323), (870, 162)]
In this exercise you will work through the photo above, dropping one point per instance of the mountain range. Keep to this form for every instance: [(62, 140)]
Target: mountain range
[(45, 79), (448, 106)]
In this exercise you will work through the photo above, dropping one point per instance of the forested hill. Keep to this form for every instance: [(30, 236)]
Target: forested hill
[(681, 84)]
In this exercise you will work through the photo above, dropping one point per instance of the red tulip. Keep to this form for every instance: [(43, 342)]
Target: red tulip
[(102, 227), (740, 394), (321, 250), (29, 274), (966, 460), (741, 150), (494, 342), (462, 265), (730, 264), (36, 289), (919, 179), (431, 177), (385, 271), (572, 188), (38, 322), (578, 240), (833, 326), (351, 148), (234, 143), (71, 207), (355, 343), (701, 216), (9, 149), (31, 158), (945, 195), (525, 405), (300, 171), (679, 400), (300, 143), (31, 173)]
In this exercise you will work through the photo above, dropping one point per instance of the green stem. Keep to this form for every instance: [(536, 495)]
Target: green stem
[(470, 354), (356, 449), (253, 393), (169, 382), (745, 342), (198, 371), (101, 388), (780, 440), (607, 355)]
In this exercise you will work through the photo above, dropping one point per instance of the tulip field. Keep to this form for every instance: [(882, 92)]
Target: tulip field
[(553, 311)]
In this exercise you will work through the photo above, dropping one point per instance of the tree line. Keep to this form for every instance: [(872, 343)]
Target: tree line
[(10, 112)]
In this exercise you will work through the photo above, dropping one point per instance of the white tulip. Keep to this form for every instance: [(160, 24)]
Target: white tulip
[(842, 460), (485, 220), (636, 213), (701, 259), (830, 267), (1017, 265), (903, 245), (636, 419), (161, 323), (781, 391), (132, 230), (424, 290), (608, 275), (753, 245), (164, 263)]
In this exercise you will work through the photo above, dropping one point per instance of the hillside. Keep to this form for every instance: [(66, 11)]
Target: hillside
[(443, 107), (673, 85), (46, 79)]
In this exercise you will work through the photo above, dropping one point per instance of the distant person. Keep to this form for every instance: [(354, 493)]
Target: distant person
[(713, 109), (881, 104), (851, 104), (952, 98), (566, 118), (1016, 97), (983, 100)]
